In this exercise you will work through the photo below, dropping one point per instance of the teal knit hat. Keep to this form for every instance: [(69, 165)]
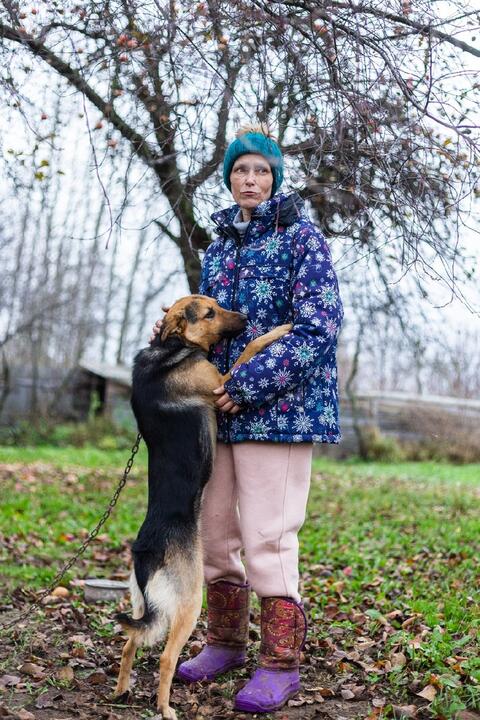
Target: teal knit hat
[(254, 140)]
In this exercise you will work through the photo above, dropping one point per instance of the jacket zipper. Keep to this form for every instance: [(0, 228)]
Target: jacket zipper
[(236, 275)]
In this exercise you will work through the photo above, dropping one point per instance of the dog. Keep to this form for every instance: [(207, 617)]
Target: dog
[(174, 406)]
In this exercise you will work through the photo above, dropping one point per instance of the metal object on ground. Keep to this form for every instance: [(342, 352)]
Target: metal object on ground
[(98, 589), (59, 576)]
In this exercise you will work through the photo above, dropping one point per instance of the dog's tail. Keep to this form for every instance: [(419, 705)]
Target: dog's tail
[(154, 606), (129, 623), (144, 614)]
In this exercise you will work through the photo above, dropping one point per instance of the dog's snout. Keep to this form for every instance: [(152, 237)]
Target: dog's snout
[(234, 323), (242, 319)]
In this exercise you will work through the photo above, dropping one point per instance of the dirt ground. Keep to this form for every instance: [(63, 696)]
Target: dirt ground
[(62, 663)]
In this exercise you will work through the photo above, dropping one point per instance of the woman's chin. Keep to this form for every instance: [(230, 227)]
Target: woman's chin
[(249, 203)]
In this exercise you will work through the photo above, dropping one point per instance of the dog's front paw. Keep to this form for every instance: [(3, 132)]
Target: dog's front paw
[(122, 694), (278, 332)]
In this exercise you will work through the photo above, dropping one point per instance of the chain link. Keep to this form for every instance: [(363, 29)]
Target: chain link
[(85, 544)]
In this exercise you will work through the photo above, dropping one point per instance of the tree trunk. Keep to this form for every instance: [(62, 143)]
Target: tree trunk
[(350, 392)]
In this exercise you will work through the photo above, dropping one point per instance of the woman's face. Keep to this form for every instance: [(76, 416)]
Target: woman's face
[(251, 180)]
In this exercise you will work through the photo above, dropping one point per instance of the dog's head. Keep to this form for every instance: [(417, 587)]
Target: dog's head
[(200, 321)]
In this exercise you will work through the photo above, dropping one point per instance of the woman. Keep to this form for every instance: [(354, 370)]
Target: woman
[(270, 262)]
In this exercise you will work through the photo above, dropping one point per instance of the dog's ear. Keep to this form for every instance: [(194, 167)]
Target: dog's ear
[(173, 324)]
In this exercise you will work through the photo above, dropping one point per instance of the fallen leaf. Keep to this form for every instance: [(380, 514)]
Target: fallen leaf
[(9, 680), (338, 655), (25, 715), (48, 699), (417, 642), (406, 624), (428, 693), (81, 639), (375, 714), (79, 652), (330, 611), (398, 660), (65, 673), (364, 645), (97, 678), (195, 648), (401, 712), (32, 669)]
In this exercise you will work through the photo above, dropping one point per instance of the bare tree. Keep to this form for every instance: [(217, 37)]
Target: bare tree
[(374, 107), (374, 110)]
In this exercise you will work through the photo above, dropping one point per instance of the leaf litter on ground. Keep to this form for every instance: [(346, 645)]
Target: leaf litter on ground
[(366, 655)]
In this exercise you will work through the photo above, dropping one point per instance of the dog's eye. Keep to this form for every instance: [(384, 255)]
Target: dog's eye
[(210, 313)]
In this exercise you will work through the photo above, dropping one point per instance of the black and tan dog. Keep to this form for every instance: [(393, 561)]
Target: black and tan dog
[(174, 407)]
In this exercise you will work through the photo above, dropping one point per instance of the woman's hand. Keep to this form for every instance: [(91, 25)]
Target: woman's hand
[(157, 328), (225, 403)]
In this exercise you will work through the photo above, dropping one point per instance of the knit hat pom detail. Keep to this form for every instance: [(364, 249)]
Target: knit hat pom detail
[(257, 129)]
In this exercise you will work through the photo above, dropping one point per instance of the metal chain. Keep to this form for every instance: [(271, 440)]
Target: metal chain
[(86, 542)]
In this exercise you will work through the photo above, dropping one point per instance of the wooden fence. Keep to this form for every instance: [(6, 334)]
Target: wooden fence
[(409, 418)]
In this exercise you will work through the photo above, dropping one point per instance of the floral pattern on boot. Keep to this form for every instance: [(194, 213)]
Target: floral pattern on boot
[(228, 614), (227, 635), (284, 629)]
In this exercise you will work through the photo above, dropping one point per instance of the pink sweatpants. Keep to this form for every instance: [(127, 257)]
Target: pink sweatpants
[(256, 501)]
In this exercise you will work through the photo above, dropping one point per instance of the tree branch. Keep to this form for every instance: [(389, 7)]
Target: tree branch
[(164, 228), (28, 324), (75, 77), (422, 28)]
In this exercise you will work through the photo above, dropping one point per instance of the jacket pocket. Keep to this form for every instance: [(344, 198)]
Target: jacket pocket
[(264, 294), (288, 406)]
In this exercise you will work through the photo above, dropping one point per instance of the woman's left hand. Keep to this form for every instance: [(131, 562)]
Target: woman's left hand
[(225, 402)]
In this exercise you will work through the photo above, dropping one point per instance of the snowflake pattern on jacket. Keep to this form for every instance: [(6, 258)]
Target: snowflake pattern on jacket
[(281, 272)]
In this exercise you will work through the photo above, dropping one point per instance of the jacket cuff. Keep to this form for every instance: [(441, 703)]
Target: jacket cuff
[(235, 392)]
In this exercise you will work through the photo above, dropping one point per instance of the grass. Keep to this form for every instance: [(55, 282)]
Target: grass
[(390, 553), (88, 456), (431, 471), (402, 538)]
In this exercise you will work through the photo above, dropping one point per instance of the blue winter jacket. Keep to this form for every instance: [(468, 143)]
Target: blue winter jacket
[(281, 272)]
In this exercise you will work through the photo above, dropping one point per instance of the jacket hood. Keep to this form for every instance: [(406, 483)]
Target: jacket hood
[(280, 210)]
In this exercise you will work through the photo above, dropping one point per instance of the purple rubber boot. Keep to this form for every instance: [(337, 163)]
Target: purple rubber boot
[(284, 629), (213, 660), (227, 635), (268, 690)]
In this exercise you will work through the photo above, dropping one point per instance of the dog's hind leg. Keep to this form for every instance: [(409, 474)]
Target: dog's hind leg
[(182, 625), (128, 655)]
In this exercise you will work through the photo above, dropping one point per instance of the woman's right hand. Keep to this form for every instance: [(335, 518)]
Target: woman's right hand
[(157, 328)]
